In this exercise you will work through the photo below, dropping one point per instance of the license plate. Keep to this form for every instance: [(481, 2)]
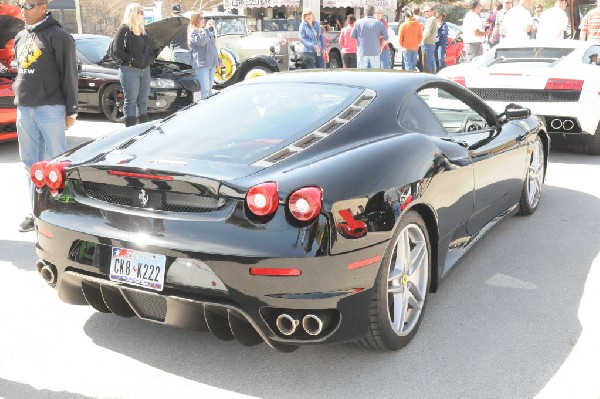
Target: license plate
[(138, 268), (196, 95)]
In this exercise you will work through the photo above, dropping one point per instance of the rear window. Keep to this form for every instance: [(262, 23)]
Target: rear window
[(246, 123), (533, 52)]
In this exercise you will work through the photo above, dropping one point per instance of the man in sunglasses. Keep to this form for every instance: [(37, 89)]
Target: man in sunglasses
[(45, 88)]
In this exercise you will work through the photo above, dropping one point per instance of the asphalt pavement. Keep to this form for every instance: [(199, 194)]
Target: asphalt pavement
[(516, 318)]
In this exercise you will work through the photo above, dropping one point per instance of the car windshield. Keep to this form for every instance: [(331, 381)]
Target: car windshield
[(94, 49), (230, 26), (247, 123), (533, 52)]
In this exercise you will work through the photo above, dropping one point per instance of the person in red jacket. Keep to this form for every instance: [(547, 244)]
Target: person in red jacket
[(348, 44), (410, 36)]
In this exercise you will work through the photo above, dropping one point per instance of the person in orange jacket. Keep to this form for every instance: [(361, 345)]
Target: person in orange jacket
[(410, 36)]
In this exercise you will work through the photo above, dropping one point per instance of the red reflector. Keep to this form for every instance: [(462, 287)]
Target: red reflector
[(364, 262), (405, 203), (460, 80), (44, 233), (269, 271), (139, 175), (263, 199), (564, 84)]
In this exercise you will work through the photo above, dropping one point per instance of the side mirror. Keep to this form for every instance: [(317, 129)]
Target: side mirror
[(517, 113)]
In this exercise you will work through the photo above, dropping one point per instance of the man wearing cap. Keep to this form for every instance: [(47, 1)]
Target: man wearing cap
[(179, 45)]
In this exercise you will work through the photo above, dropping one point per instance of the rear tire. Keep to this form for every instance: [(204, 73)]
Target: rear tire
[(536, 171), (111, 102), (400, 292), (591, 144)]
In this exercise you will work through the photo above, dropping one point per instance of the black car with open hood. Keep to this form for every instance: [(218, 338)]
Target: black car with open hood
[(173, 85)]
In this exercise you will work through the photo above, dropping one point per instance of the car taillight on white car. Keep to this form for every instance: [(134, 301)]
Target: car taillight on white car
[(564, 84)]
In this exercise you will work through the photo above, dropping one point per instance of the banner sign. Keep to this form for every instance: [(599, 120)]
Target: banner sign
[(228, 4), (385, 4)]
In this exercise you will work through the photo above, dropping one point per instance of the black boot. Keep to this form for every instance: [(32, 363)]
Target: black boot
[(130, 121), (143, 118)]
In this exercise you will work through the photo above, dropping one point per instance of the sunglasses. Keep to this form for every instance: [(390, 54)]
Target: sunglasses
[(29, 6)]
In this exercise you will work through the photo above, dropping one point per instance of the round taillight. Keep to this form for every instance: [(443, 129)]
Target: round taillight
[(263, 199), (36, 172), (54, 175), (305, 203)]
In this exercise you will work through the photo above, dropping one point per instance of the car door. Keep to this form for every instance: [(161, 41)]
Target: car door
[(497, 153)]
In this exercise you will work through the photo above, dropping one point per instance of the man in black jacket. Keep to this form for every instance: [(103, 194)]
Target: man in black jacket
[(45, 88)]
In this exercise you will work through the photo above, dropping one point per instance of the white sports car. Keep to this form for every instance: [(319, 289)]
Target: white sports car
[(559, 81)]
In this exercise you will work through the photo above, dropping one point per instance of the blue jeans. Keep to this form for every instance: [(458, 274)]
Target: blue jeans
[(440, 52), (386, 59), (368, 61), (136, 88), (410, 59), (206, 77), (41, 132), (312, 61), (429, 58)]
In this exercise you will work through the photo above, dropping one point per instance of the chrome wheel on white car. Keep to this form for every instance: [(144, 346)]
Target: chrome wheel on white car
[(532, 189)]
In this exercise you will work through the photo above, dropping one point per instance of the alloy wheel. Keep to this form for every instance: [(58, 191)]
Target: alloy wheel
[(535, 174), (407, 280)]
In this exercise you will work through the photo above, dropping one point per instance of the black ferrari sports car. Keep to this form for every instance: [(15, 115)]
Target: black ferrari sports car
[(326, 211), (173, 86)]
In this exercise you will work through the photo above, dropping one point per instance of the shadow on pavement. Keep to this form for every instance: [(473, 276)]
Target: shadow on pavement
[(18, 253), (16, 390), (500, 326)]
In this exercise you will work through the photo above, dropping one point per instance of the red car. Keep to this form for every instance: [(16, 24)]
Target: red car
[(454, 51), (10, 24)]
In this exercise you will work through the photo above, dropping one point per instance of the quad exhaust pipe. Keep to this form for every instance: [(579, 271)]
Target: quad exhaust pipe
[(562, 124), (311, 324), (47, 271)]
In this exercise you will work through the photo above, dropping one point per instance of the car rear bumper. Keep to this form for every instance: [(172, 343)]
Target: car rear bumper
[(232, 304)]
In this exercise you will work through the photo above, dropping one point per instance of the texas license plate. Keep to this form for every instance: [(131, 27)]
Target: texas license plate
[(138, 268)]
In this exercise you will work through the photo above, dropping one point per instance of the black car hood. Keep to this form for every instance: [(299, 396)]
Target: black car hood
[(10, 24), (162, 32)]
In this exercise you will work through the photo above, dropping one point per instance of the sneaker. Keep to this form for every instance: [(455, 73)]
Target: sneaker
[(27, 224)]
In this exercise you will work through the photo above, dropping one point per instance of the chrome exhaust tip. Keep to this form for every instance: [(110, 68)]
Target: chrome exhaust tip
[(568, 124), (39, 265), (312, 324), (556, 124), (48, 273), (286, 324)]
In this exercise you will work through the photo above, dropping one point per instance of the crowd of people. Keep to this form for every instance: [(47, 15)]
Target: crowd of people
[(423, 35)]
